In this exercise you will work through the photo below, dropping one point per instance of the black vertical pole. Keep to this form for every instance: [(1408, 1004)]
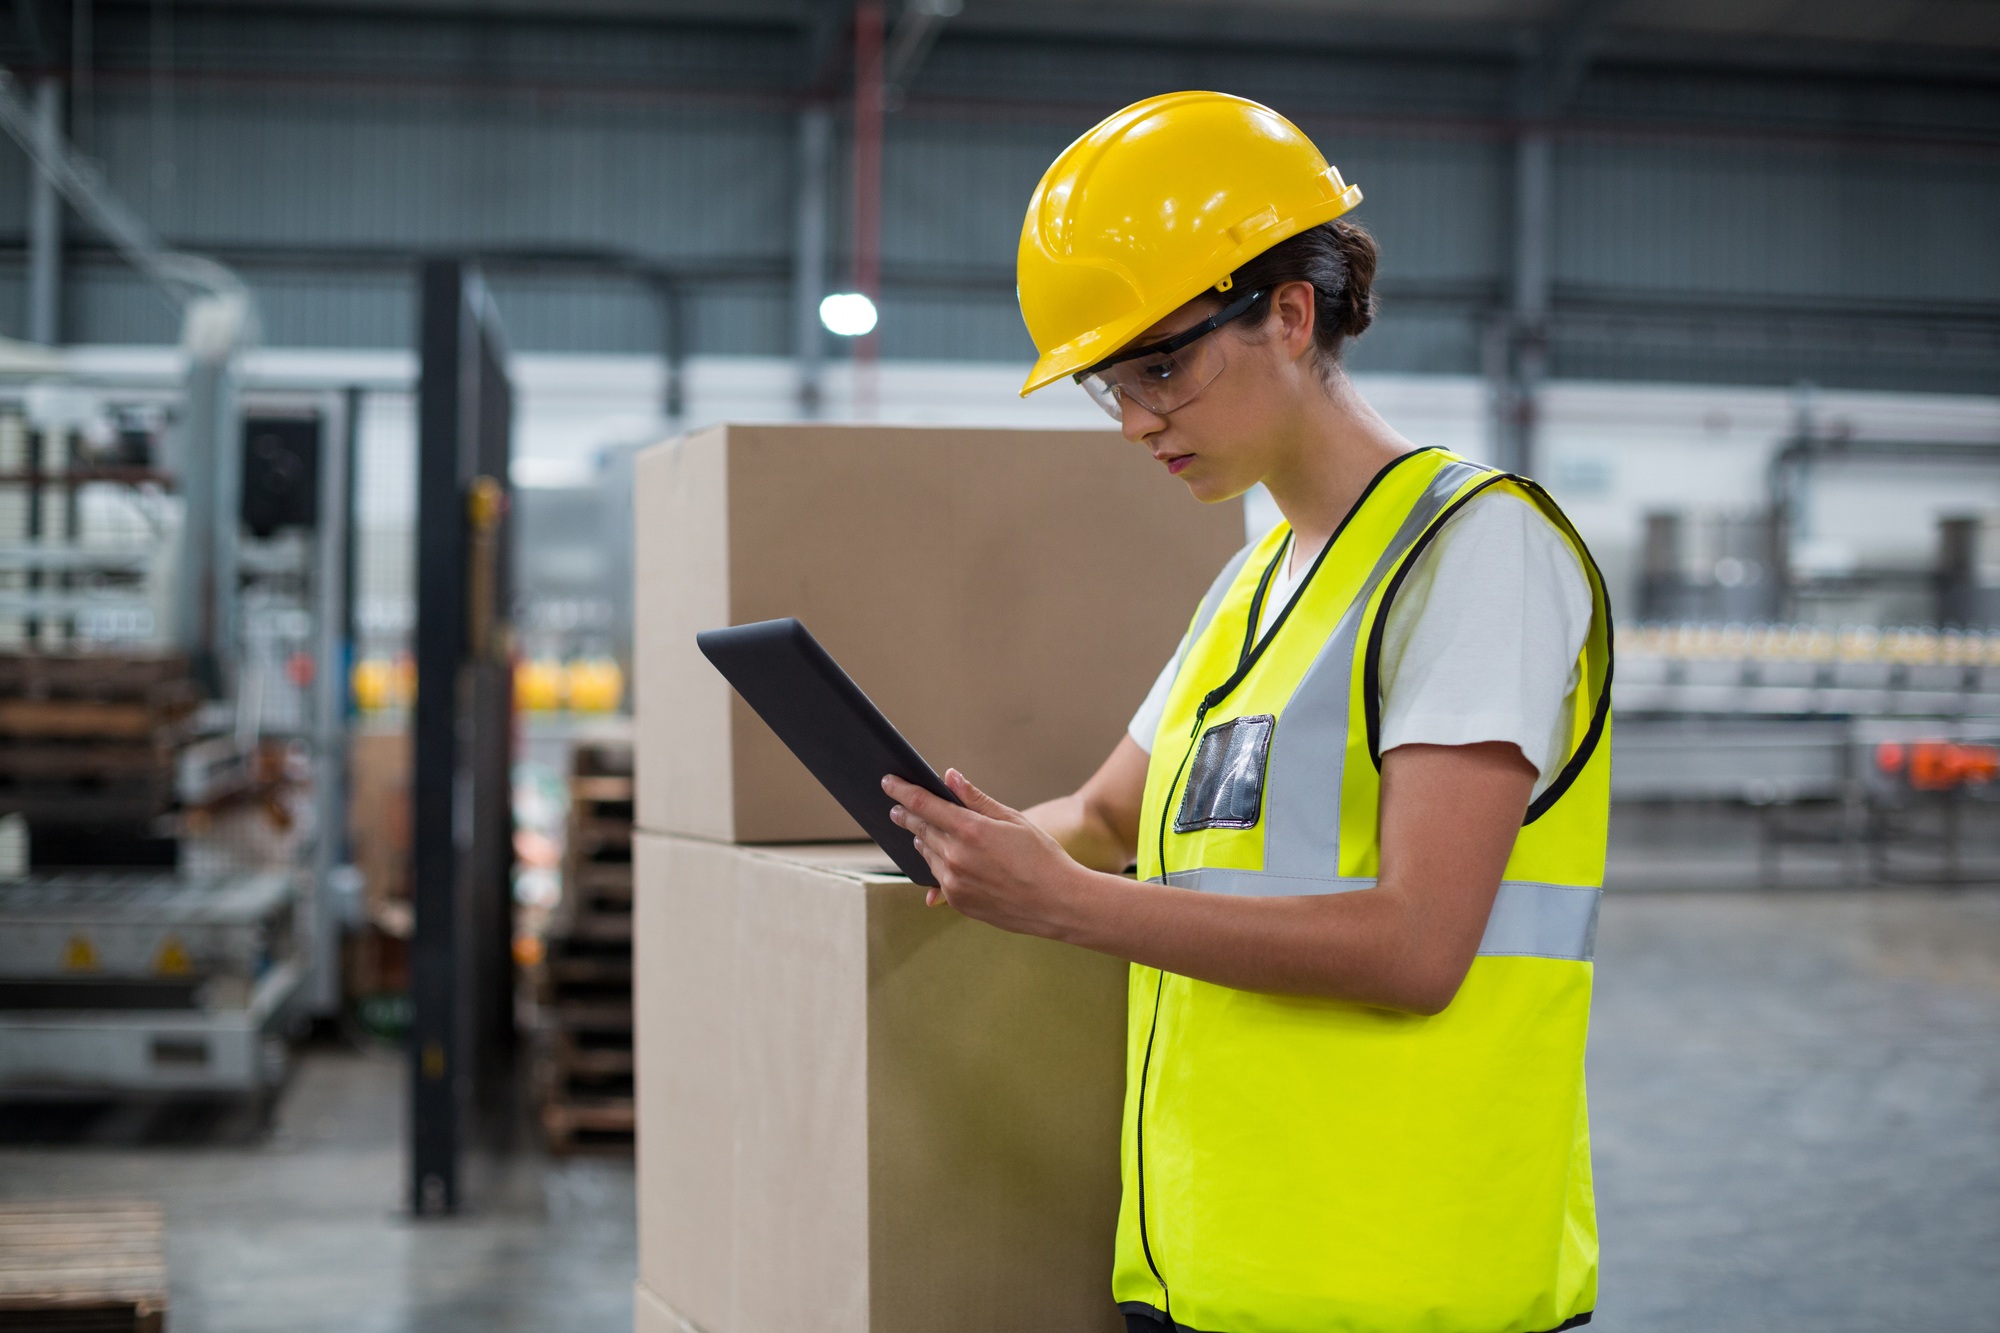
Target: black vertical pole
[(354, 400), (461, 969), (436, 1048), (487, 883)]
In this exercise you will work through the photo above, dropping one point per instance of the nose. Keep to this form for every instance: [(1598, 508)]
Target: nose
[(1138, 423)]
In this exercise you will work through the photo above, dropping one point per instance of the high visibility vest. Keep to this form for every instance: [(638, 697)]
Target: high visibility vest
[(1296, 1165)]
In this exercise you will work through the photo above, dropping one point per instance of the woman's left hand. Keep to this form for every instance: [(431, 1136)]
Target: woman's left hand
[(991, 863)]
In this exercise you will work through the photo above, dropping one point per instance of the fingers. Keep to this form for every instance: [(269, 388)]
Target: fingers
[(974, 798), (932, 809)]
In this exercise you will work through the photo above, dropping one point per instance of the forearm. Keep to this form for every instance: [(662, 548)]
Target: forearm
[(1405, 943), (1372, 946), (1084, 832)]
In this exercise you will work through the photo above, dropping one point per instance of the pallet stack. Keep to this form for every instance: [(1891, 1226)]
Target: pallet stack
[(89, 744), (584, 982), (83, 1264)]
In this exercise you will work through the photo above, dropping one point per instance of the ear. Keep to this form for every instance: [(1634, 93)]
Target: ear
[(1292, 302)]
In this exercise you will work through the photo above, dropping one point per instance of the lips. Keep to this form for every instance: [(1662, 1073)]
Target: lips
[(1178, 463)]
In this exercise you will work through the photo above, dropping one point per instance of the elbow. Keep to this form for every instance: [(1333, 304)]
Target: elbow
[(1427, 1003), (1428, 989)]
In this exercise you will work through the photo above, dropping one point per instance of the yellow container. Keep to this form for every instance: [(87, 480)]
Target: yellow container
[(595, 685), (539, 685)]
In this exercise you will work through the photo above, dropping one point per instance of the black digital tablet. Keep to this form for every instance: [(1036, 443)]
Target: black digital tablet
[(824, 718)]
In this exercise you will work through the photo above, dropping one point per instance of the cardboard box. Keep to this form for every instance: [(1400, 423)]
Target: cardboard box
[(860, 1113), (1005, 596), (378, 813)]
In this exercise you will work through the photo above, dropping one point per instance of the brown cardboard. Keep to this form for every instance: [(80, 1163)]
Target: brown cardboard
[(378, 813), (1006, 597), (859, 1113)]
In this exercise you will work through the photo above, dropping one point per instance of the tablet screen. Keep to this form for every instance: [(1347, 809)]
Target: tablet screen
[(825, 719)]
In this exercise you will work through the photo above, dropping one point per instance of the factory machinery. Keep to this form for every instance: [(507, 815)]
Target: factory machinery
[(1891, 736), (170, 787)]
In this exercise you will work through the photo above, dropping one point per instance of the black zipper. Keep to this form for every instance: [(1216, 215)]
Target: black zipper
[(1139, 1133), (1253, 648), (1243, 659)]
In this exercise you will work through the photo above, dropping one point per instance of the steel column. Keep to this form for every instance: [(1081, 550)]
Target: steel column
[(45, 223), (1524, 364), (460, 955), (332, 655), (866, 264), (809, 254)]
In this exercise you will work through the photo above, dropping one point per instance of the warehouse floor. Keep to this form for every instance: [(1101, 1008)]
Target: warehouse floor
[(300, 1229), (1796, 1099)]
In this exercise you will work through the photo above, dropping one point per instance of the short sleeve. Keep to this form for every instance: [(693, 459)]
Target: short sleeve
[(1145, 723), (1482, 641)]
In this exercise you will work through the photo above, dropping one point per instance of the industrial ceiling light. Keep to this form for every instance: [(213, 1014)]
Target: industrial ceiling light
[(849, 314)]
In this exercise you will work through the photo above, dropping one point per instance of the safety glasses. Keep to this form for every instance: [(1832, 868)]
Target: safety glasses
[(1165, 375)]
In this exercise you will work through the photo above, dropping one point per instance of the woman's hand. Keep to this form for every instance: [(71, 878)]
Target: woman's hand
[(991, 863), (1450, 814)]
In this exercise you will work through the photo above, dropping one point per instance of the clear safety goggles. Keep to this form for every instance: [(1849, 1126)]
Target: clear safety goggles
[(1167, 374)]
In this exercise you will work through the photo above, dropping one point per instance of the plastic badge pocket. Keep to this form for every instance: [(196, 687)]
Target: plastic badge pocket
[(1225, 788)]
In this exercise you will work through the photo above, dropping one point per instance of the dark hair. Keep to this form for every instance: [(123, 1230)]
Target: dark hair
[(1338, 259)]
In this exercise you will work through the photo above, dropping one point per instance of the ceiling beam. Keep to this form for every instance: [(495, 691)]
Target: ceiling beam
[(1551, 77)]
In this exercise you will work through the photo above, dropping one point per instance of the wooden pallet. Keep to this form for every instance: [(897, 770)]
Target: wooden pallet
[(611, 880), (601, 789), (91, 738), (146, 676), (569, 974), (86, 782), (79, 719), (583, 1074), (599, 761), (583, 986), (83, 1264), (603, 1124), (89, 760)]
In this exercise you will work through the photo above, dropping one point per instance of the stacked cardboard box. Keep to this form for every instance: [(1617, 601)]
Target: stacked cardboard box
[(856, 1112)]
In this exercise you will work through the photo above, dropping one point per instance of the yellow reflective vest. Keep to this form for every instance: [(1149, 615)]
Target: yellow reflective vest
[(1298, 1165)]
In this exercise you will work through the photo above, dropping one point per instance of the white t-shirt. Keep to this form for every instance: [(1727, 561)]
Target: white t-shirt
[(1481, 643)]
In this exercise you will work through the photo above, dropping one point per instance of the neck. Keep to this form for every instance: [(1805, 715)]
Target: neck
[(1335, 445)]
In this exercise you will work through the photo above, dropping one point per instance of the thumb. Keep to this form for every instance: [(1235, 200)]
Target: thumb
[(975, 799)]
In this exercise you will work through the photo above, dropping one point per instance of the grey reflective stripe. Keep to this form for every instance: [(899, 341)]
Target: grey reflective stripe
[(1211, 601), (1262, 883), (1542, 921), (1302, 782), (1530, 919)]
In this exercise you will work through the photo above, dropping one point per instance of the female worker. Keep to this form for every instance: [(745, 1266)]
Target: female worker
[(1367, 797)]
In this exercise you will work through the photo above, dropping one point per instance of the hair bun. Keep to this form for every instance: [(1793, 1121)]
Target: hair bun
[(1355, 301), (1338, 258)]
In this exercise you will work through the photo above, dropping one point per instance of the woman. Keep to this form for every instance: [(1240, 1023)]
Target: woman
[(1367, 798)]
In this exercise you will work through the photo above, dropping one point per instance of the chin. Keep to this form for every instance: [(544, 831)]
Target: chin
[(1212, 490)]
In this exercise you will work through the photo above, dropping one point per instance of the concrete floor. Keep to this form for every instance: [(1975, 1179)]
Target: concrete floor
[(1796, 1098), (1796, 1104), (300, 1229)]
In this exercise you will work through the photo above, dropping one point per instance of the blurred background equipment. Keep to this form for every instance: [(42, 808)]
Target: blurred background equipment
[(1724, 278)]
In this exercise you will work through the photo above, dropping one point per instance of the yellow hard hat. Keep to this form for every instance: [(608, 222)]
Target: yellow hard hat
[(1157, 203)]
